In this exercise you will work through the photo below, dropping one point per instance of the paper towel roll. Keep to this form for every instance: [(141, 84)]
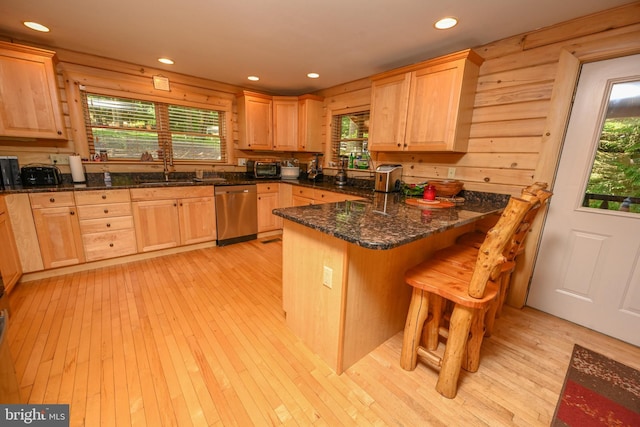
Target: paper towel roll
[(77, 170)]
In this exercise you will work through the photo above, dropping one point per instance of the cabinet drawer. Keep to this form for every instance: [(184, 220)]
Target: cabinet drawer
[(101, 196), (303, 192), (104, 211), (100, 225), (272, 187), (52, 200), (109, 244)]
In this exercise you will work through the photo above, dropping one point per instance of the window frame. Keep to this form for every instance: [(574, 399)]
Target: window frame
[(335, 140), (164, 132)]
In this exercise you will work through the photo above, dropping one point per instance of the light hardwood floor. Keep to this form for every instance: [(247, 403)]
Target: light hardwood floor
[(199, 338)]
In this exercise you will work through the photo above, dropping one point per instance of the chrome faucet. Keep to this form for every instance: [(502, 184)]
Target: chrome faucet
[(167, 166)]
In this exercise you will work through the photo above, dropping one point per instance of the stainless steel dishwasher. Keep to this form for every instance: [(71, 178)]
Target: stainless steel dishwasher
[(236, 213)]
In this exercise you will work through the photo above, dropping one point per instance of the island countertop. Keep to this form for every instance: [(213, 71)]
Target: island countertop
[(385, 221)]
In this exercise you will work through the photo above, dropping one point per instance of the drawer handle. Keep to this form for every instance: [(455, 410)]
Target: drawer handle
[(106, 211), (104, 196), (52, 200), (110, 245), (108, 224)]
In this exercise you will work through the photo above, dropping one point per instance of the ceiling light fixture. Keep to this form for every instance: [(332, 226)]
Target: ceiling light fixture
[(35, 26), (313, 75), (446, 23), (253, 78), (165, 61)]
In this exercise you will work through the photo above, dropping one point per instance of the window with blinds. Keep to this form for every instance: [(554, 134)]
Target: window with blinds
[(128, 128), (350, 135)]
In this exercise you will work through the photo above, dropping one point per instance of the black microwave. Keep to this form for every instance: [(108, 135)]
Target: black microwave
[(263, 168)]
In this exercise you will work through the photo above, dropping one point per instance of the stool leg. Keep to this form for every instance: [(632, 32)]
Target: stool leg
[(490, 317), (476, 335), (431, 331), (454, 351), (418, 311)]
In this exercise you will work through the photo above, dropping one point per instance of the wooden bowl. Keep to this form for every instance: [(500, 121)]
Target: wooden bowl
[(447, 188)]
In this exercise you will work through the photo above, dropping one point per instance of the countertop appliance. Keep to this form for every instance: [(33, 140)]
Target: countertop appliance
[(388, 178), (315, 169), (265, 168), (341, 176), (236, 213), (40, 175), (10, 173), (9, 389)]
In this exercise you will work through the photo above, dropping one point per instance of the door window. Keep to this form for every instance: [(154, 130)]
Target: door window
[(614, 182)]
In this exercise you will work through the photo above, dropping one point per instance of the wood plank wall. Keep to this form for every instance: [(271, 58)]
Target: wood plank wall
[(522, 105)]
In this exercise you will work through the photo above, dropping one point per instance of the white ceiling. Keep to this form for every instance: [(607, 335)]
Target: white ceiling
[(280, 40)]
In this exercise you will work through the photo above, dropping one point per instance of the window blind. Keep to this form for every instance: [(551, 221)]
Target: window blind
[(349, 134)]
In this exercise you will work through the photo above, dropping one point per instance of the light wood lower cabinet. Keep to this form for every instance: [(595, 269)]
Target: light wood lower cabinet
[(169, 217), (268, 200), (58, 228), (106, 223), (10, 266)]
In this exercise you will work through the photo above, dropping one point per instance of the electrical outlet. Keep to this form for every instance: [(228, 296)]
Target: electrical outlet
[(59, 159), (327, 277), (452, 173), (242, 162)]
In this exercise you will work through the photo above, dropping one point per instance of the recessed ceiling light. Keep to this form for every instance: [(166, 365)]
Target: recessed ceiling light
[(253, 78), (36, 26), (165, 61), (446, 23), (313, 75)]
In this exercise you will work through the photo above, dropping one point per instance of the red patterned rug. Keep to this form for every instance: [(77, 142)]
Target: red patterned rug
[(598, 391)]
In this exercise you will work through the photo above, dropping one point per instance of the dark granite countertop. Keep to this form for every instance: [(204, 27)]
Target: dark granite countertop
[(385, 221)]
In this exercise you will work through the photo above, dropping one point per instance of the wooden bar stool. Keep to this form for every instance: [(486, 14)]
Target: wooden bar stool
[(448, 278), (538, 196)]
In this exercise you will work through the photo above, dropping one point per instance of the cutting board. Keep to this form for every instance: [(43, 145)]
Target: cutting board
[(429, 204)]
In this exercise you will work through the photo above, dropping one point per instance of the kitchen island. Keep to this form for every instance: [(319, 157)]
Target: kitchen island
[(343, 267)]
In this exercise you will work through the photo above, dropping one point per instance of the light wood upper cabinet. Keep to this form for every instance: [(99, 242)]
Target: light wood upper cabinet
[(279, 123), (426, 106), (310, 123), (255, 121), (285, 123), (29, 100), (58, 229), (10, 266)]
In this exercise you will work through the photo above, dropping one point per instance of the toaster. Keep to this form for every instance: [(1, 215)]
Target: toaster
[(388, 178), (40, 176)]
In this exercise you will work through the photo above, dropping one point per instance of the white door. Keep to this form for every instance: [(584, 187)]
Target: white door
[(588, 265)]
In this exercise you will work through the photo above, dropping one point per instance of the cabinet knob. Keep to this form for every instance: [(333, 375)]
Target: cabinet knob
[(72, 213), (110, 245), (104, 196), (52, 200), (59, 132), (108, 224), (175, 204), (259, 198), (106, 211)]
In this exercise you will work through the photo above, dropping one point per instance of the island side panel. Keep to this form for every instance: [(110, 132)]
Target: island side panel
[(314, 312), (377, 297)]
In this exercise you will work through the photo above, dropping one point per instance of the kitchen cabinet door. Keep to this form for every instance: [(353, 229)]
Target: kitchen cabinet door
[(255, 121), (310, 124), (388, 118), (285, 123), (156, 224), (268, 200), (10, 266), (59, 236), (30, 104), (197, 219)]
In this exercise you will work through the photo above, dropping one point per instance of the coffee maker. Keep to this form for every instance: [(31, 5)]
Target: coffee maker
[(315, 169)]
